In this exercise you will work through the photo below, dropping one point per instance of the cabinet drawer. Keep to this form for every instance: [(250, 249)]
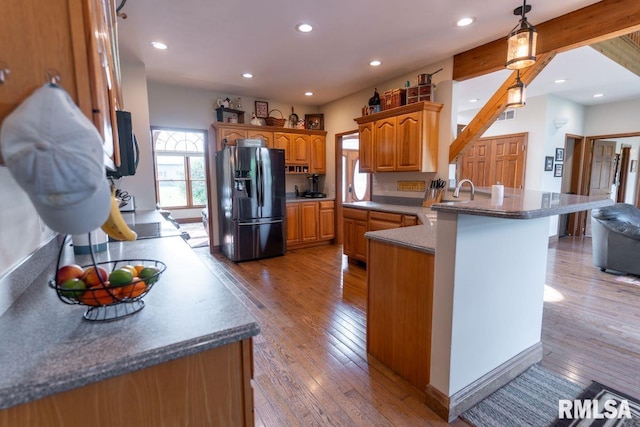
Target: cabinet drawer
[(326, 205), (386, 216), (409, 220), (376, 224), (358, 214)]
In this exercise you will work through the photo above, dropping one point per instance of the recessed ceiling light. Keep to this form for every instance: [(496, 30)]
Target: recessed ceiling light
[(304, 28), (308, 93), (560, 81), (598, 95), (375, 63), (159, 45), (467, 20), (247, 75), (474, 100)]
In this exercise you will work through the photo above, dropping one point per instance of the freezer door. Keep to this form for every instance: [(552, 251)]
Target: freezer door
[(254, 240)]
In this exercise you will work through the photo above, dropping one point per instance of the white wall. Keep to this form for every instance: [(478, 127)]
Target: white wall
[(614, 118), (22, 232), (340, 114)]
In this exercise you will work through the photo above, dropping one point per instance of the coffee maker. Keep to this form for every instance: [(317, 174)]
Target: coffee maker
[(313, 186)]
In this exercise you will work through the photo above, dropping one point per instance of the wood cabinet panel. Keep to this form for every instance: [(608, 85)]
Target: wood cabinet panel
[(327, 222), (399, 307), (293, 223), (225, 136), (299, 149), (309, 221), (174, 393), (366, 147), (318, 154), (283, 141), (266, 136), (78, 40), (354, 226), (409, 220), (408, 147), (384, 144)]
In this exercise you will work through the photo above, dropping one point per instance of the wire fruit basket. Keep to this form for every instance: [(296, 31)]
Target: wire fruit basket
[(91, 285)]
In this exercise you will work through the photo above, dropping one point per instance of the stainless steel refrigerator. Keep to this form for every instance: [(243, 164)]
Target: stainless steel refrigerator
[(251, 201)]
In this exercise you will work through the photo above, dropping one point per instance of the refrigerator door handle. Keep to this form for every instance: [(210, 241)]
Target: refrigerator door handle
[(244, 224), (261, 168)]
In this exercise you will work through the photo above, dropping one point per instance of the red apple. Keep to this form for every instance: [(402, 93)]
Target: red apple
[(71, 271), (91, 278)]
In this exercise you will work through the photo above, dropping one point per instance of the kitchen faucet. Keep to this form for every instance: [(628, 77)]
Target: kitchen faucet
[(456, 193)]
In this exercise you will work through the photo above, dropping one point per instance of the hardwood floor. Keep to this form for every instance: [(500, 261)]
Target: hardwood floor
[(311, 365)]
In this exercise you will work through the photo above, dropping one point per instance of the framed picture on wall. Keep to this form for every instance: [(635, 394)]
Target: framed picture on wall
[(557, 170), (548, 163), (559, 154), (314, 121), (262, 109)]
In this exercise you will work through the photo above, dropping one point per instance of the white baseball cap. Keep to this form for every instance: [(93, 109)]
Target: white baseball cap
[(55, 154)]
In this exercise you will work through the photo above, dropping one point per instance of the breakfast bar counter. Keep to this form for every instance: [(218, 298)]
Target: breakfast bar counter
[(455, 306), (192, 337)]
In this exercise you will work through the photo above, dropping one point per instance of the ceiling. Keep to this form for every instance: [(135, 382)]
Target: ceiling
[(212, 42)]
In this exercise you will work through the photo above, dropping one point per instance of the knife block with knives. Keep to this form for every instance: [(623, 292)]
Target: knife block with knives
[(433, 194)]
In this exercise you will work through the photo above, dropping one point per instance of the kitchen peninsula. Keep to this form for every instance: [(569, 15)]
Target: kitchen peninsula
[(184, 359), (461, 307)]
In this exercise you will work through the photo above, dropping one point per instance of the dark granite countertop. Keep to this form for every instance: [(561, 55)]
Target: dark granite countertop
[(523, 204), (418, 237), (48, 348)]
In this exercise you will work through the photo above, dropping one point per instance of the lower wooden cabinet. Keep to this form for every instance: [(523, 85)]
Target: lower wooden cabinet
[(310, 223), (399, 308), (355, 225), (327, 220), (210, 388), (356, 222)]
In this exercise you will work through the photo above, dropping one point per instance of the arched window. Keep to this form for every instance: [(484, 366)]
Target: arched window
[(180, 167)]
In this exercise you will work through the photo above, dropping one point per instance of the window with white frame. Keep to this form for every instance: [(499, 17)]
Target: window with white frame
[(180, 167)]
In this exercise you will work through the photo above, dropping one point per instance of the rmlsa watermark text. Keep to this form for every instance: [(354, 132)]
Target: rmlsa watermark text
[(593, 409)]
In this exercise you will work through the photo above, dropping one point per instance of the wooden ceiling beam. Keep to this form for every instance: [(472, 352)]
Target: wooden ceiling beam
[(623, 50), (592, 24), (495, 106)]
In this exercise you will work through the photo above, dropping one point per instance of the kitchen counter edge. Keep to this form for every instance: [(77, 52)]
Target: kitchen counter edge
[(34, 369)]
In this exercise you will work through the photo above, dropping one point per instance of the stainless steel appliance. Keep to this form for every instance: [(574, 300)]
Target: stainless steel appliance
[(251, 201)]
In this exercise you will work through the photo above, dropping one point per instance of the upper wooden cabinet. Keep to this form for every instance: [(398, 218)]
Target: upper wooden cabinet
[(73, 39), (366, 147), (318, 154), (303, 148), (400, 139)]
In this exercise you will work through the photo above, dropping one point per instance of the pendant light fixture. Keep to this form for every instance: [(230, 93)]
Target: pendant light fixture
[(521, 50), (517, 94)]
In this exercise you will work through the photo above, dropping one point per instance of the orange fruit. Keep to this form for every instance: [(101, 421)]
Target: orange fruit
[(139, 268), (139, 287), (100, 296)]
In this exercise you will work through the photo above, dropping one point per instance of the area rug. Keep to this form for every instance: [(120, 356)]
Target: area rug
[(602, 393), (628, 278), (530, 399)]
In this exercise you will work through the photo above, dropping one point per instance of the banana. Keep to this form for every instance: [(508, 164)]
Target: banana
[(115, 226)]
